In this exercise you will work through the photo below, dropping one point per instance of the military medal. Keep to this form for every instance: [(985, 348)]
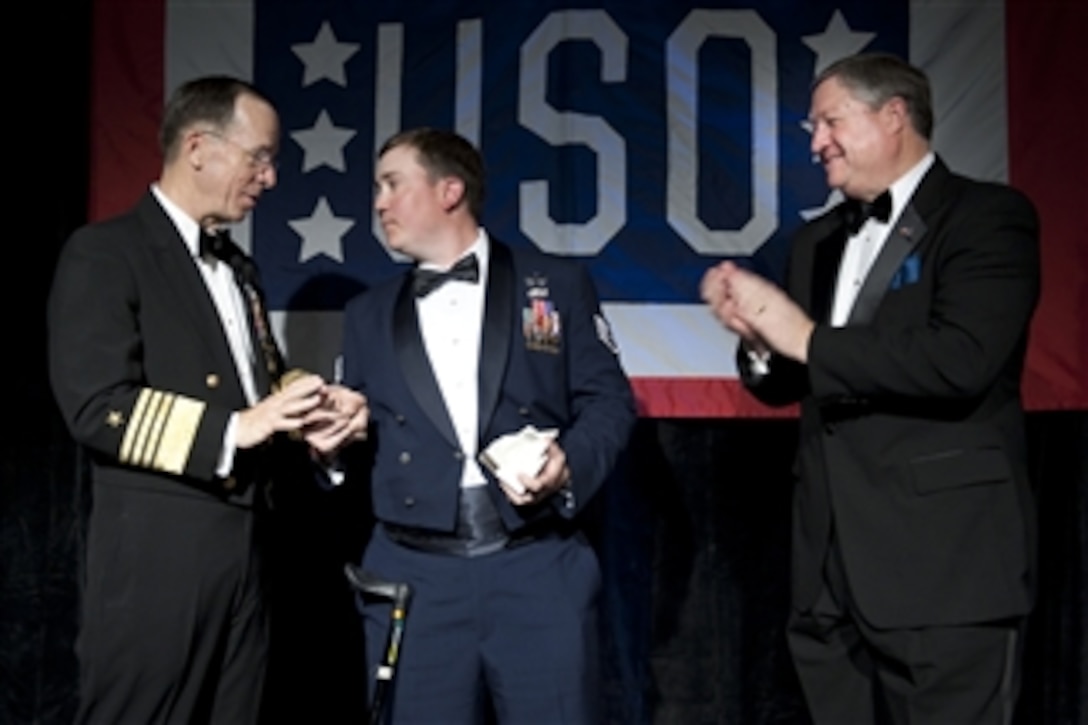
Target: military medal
[(540, 319)]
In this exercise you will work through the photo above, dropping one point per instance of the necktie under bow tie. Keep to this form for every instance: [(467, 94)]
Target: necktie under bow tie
[(219, 245), (857, 211), (425, 281)]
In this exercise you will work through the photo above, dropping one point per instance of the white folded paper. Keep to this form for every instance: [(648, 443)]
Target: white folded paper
[(515, 453)]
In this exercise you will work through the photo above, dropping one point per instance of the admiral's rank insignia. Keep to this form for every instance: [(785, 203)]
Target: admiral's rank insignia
[(161, 431)]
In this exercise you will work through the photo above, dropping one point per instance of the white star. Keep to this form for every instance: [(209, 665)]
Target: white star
[(833, 199), (323, 144), (324, 58), (322, 233), (837, 41)]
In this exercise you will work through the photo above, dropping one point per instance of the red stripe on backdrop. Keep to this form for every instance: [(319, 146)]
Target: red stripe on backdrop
[(126, 74), (700, 398), (1048, 155)]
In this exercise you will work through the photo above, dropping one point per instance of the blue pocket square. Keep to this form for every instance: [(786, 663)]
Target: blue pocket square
[(908, 272)]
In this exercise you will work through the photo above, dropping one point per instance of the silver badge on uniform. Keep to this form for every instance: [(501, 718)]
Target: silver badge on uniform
[(604, 333)]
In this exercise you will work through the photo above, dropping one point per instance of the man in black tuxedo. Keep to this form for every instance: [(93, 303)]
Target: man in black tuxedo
[(164, 367), (903, 336), (479, 341)]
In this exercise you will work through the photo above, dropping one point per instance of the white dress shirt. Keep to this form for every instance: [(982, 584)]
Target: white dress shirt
[(865, 246), (219, 279), (451, 324)]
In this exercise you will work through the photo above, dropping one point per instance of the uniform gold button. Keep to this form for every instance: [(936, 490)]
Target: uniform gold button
[(230, 483), (212, 381)]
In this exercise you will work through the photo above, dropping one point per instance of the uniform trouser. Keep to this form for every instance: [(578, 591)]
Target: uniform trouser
[(517, 627), (174, 626)]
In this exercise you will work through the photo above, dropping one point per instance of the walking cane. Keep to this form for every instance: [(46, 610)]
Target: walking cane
[(400, 595)]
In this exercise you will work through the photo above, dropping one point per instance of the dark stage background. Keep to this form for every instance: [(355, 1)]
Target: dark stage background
[(693, 531)]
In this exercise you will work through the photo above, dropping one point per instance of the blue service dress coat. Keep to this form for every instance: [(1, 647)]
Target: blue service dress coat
[(560, 372), (546, 359)]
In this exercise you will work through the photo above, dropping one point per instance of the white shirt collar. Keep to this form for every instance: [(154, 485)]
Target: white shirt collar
[(904, 187), (187, 227), (481, 247)]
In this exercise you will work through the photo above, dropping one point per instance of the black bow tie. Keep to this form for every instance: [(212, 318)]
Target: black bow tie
[(219, 245), (216, 245), (425, 281), (857, 211)]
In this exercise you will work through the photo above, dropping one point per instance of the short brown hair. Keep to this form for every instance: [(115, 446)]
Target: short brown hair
[(443, 154)]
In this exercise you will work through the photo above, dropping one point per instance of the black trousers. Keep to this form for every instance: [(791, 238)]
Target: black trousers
[(853, 673), (174, 627)]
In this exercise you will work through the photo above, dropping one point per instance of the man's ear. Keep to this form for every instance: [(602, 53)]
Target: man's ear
[(193, 148), (895, 113), (453, 192)]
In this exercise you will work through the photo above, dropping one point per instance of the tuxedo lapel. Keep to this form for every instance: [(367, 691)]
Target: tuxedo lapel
[(192, 299), (903, 238), (906, 234), (499, 305), (414, 364)]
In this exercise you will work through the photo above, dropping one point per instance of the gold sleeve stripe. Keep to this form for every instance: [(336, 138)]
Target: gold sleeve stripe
[(161, 431), (178, 435), (135, 421), (164, 402), (153, 410)]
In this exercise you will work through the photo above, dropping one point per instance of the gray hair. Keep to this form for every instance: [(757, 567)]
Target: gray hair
[(876, 78)]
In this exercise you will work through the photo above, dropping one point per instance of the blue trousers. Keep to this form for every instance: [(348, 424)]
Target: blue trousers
[(517, 628)]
